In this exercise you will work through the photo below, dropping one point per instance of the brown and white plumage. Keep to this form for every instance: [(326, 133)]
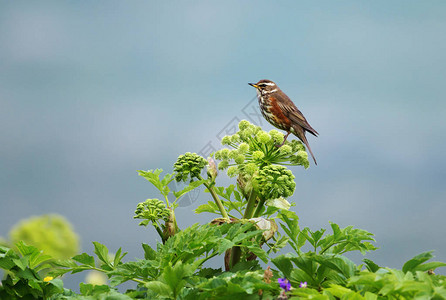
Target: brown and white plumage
[(281, 112)]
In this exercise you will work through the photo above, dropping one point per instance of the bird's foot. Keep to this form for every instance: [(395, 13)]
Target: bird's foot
[(284, 140)]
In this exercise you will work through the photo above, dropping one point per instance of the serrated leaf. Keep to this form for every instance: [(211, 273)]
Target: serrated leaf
[(85, 259), (210, 207), (193, 185), (224, 245), (371, 266), (118, 257), (336, 230), (411, 264), (102, 253), (149, 253), (284, 265), (160, 288), (22, 263), (429, 266), (259, 252), (153, 178)]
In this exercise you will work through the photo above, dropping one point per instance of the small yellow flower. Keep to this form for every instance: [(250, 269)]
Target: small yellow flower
[(48, 278)]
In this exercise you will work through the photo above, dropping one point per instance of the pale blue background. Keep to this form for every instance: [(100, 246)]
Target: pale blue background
[(90, 92)]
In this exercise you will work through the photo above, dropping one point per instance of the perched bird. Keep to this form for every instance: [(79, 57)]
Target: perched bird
[(281, 112)]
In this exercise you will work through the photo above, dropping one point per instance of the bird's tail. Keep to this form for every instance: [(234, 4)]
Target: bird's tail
[(304, 139)]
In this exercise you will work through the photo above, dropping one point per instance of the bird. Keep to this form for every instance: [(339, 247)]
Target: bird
[(278, 109)]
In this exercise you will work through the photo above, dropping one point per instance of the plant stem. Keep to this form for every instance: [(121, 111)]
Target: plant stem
[(159, 231), (251, 205), (217, 201), (236, 252), (259, 208)]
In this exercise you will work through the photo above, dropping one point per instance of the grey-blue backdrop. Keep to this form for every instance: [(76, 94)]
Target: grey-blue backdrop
[(90, 92)]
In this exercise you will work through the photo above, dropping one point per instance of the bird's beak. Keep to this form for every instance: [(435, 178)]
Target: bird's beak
[(253, 84)]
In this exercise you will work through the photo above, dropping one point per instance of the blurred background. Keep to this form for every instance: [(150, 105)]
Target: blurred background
[(90, 92)]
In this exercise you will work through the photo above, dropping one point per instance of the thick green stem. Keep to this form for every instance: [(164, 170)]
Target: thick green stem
[(217, 201), (259, 208), (251, 205), (236, 252), (159, 231)]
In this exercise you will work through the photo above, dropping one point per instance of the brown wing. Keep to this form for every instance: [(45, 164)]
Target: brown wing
[(291, 112)]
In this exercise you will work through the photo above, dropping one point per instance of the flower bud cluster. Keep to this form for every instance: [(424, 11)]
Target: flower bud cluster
[(151, 210), (253, 148), (189, 166), (274, 181)]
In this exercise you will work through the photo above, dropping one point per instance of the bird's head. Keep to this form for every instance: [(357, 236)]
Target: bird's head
[(265, 86)]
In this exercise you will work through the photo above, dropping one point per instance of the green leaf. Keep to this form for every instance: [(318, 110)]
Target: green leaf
[(85, 259), (102, 252), (54, 286), (193, 185), (210, 207), (371, 266), (160, 288), (25, 249), (259, 252), (224, 245), (92, 290), (291, 227), (411, 264), (284, 265), (118, 257), (22, 263), (153, 178), (149, 253), (429, 266)]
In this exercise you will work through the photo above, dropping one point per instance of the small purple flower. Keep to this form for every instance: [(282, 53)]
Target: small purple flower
[(303, 284), (284, 284)]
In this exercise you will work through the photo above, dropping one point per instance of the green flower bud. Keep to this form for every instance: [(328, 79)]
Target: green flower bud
[(243, 148), (257, 155), (223, 164), (276, 136), (188, 165), (226, 140), (239, 159), (251, 168), (297, 145), (256, 129), (224, 153), (275, 181), (218, 155), (302, 153), (285, 150), (245, 134), (243, 124), (233, 154), (235, 138), (151, 210), (301, 158), (232, 171), (263, 137)]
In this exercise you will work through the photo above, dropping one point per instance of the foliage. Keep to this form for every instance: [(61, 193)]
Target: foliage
[(51, 233), (246, 232)]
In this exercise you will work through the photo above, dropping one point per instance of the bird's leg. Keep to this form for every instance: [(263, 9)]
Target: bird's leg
[(284, 139)]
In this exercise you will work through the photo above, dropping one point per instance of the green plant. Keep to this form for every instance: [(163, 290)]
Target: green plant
[(254, 222), (51, 233)]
